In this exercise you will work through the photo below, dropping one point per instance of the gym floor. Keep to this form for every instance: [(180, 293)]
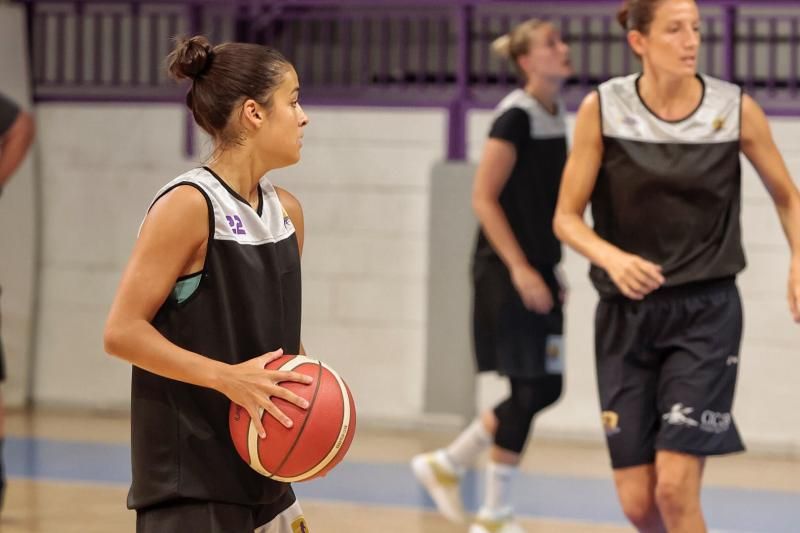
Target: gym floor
[(68, 472)]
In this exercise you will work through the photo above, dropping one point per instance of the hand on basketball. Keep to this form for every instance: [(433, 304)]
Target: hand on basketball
[(634, 276), (251, 386), (532, 289), (794, 289)]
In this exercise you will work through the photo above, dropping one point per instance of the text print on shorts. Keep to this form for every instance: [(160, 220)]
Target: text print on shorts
[(710, 421)]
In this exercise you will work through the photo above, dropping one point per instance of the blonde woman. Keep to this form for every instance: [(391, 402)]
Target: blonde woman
[(517, 313)]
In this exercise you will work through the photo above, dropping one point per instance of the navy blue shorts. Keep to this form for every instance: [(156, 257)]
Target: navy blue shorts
[(666, 371)]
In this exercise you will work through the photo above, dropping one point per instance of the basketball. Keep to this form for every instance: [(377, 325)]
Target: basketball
[(320, 436)]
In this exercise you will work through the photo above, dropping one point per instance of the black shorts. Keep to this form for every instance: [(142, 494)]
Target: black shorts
[(508, 338), (198, 516), (666, 371)]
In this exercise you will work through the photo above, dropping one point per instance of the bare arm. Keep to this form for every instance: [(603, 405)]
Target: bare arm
[(759, 147), (173, 232), (295, 212), (634, 276), (494, 170), (14, 145)]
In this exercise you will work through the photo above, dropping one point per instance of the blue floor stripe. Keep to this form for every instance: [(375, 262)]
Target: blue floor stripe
[(560, 497)]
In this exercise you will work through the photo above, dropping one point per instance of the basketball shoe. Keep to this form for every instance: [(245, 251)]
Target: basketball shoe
[(486, 522), (441, 481)]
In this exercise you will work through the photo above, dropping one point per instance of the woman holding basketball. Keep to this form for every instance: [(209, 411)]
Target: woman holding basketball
[(657, 153), (517, 322), (210, 295)]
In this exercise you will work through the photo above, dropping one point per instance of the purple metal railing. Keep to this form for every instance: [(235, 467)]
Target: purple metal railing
[(386, 52)]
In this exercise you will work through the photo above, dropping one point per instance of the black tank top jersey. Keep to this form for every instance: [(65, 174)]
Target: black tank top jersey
[(670, 191), (247, 303), (531, 192)]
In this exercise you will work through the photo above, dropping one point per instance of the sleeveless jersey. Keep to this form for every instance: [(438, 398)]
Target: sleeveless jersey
[(531, 192), (244, 303), (670, 191)]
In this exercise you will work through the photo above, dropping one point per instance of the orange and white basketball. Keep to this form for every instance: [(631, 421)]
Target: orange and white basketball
[(320, 436)]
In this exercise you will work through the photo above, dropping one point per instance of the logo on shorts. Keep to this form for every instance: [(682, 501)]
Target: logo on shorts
[(610, 422), (732, 360), (714, 422), (679, 416), (299, 525), (554, 350)]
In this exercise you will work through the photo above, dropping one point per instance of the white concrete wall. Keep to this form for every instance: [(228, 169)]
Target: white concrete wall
[(364, 185), (767, 396), (363, 182), (18, 218)]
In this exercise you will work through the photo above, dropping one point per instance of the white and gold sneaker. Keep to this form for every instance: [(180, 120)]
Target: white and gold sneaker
[(442, 484), (485, 522)]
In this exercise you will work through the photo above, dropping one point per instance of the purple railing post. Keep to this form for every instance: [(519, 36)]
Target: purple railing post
[(61, 45), (135, 42), (773, 62), (195, 25), (457, 110), (729, 42), (793, 44), (711, 46)]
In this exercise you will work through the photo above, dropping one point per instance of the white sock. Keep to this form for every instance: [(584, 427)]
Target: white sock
[(498, 488), (473, 441)]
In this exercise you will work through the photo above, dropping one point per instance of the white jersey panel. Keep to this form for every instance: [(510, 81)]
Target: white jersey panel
[(234, 219), (716, 120), (544, 125)]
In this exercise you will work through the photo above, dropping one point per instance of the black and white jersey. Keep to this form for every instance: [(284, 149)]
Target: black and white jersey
[(244, 303), (531, 192), (670, 191)]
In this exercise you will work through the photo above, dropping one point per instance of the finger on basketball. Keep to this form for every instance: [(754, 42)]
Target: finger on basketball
[(256, 419), (276, 413), (279, 376), (289, 396), (271, 356)]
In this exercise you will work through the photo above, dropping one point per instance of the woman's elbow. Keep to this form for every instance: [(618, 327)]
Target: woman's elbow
[(559, 225), (112, 339)]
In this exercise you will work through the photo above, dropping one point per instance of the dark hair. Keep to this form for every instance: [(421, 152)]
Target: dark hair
[(637, 14), (222, 77)]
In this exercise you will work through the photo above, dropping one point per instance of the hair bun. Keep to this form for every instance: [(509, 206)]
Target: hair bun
[(623, 15), (190, 58), (502, 46)]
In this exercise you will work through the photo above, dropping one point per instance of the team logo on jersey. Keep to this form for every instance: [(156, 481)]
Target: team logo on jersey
[(299, 525), (610, 422), (237, 227), (732, 360), (629, 121), (679, 416), (287, 222), (718, 123)]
